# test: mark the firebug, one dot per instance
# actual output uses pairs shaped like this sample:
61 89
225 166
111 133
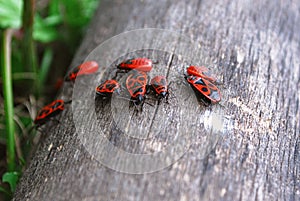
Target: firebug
159 85
204 89
49 111
107 88
136 84
88 67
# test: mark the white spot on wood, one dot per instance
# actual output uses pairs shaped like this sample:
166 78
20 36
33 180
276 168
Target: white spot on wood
161 192
223 56
183 198
180 57
50 147
240 55
223 191
213 121
186 178
59 148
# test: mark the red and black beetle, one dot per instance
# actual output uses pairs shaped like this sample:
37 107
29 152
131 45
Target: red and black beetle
159 85
136 84
49 111
204 89
107 88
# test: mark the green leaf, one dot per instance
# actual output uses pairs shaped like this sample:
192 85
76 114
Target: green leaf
78 13
44 30
52 20
54 7
12 179
11 13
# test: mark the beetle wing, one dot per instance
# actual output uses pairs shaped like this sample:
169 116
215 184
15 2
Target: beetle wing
88 67
206 88
136 83
201 71
108 87
141 64
159 84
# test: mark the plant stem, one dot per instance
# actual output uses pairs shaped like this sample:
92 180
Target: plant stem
8 97
29 52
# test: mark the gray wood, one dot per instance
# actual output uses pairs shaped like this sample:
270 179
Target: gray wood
252 46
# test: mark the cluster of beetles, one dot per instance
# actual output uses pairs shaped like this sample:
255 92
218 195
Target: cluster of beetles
137 84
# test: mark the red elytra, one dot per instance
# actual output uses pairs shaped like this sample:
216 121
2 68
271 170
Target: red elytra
49 111
140 64
201 71
107 88
136 84
88 67
159 85
210 93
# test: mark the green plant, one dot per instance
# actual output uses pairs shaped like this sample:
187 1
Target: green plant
9 19
27 38
12 179
8 98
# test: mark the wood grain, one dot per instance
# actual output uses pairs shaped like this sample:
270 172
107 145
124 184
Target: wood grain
252 46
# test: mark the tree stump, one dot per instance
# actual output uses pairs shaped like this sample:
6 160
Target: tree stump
245 148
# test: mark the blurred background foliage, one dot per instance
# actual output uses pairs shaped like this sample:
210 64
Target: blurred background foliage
38 41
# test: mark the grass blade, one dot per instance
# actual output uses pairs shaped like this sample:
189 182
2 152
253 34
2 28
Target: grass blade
8 97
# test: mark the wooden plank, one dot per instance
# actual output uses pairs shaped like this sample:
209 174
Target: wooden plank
253 48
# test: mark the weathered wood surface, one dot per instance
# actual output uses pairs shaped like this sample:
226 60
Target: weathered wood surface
253 47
